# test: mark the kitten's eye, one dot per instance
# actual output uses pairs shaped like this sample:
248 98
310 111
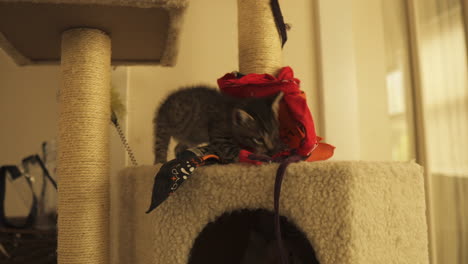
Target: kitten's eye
257 141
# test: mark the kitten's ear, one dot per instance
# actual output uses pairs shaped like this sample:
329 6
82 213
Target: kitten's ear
275 103
241 117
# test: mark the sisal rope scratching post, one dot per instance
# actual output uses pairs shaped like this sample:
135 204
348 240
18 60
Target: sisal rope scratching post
83 158
259 41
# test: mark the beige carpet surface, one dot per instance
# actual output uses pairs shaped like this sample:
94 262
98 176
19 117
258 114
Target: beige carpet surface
352 212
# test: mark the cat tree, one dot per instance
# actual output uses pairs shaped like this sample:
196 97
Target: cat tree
351 212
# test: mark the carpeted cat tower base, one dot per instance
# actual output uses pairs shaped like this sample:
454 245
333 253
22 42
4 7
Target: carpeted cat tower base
351 212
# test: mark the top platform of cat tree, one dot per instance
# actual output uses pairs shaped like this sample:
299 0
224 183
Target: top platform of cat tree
142 31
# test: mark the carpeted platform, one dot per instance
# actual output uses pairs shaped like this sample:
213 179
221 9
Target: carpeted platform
351 212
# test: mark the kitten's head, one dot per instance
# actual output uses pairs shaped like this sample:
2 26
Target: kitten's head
255 124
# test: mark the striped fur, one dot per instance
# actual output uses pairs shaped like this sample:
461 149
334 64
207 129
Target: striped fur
200 114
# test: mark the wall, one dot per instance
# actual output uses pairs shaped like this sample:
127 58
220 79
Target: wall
338 78
353 79
28 114
28 111
369 45
208 51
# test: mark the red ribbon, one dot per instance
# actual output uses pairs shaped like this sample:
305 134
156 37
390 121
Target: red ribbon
297 127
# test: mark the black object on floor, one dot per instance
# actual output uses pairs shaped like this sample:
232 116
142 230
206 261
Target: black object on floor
28 246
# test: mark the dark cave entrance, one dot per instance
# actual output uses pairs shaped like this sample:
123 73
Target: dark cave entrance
247 236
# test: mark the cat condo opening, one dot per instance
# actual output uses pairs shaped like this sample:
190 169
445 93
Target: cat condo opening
247 236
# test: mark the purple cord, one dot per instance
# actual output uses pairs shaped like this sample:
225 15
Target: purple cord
278 181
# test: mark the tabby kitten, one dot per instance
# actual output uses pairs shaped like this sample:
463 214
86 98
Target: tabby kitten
200 114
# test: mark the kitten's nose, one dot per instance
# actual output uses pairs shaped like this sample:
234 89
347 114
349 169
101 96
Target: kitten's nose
270 148
271 152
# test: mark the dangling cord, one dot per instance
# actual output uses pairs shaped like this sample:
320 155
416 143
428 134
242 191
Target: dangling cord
278 181
123 139
279 21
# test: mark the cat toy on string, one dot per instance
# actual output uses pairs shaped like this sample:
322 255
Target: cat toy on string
173 173
118 110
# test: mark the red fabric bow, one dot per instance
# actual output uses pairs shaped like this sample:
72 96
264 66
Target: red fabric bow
297 128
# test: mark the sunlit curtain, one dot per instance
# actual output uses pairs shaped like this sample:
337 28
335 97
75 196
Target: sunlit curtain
441 46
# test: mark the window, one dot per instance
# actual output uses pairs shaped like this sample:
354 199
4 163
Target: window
438 39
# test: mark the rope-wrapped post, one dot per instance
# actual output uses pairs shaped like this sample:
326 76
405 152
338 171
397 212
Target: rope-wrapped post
259 41
260 52
83 148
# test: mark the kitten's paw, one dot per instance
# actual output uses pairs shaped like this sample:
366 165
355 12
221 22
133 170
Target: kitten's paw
180 148
229 157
